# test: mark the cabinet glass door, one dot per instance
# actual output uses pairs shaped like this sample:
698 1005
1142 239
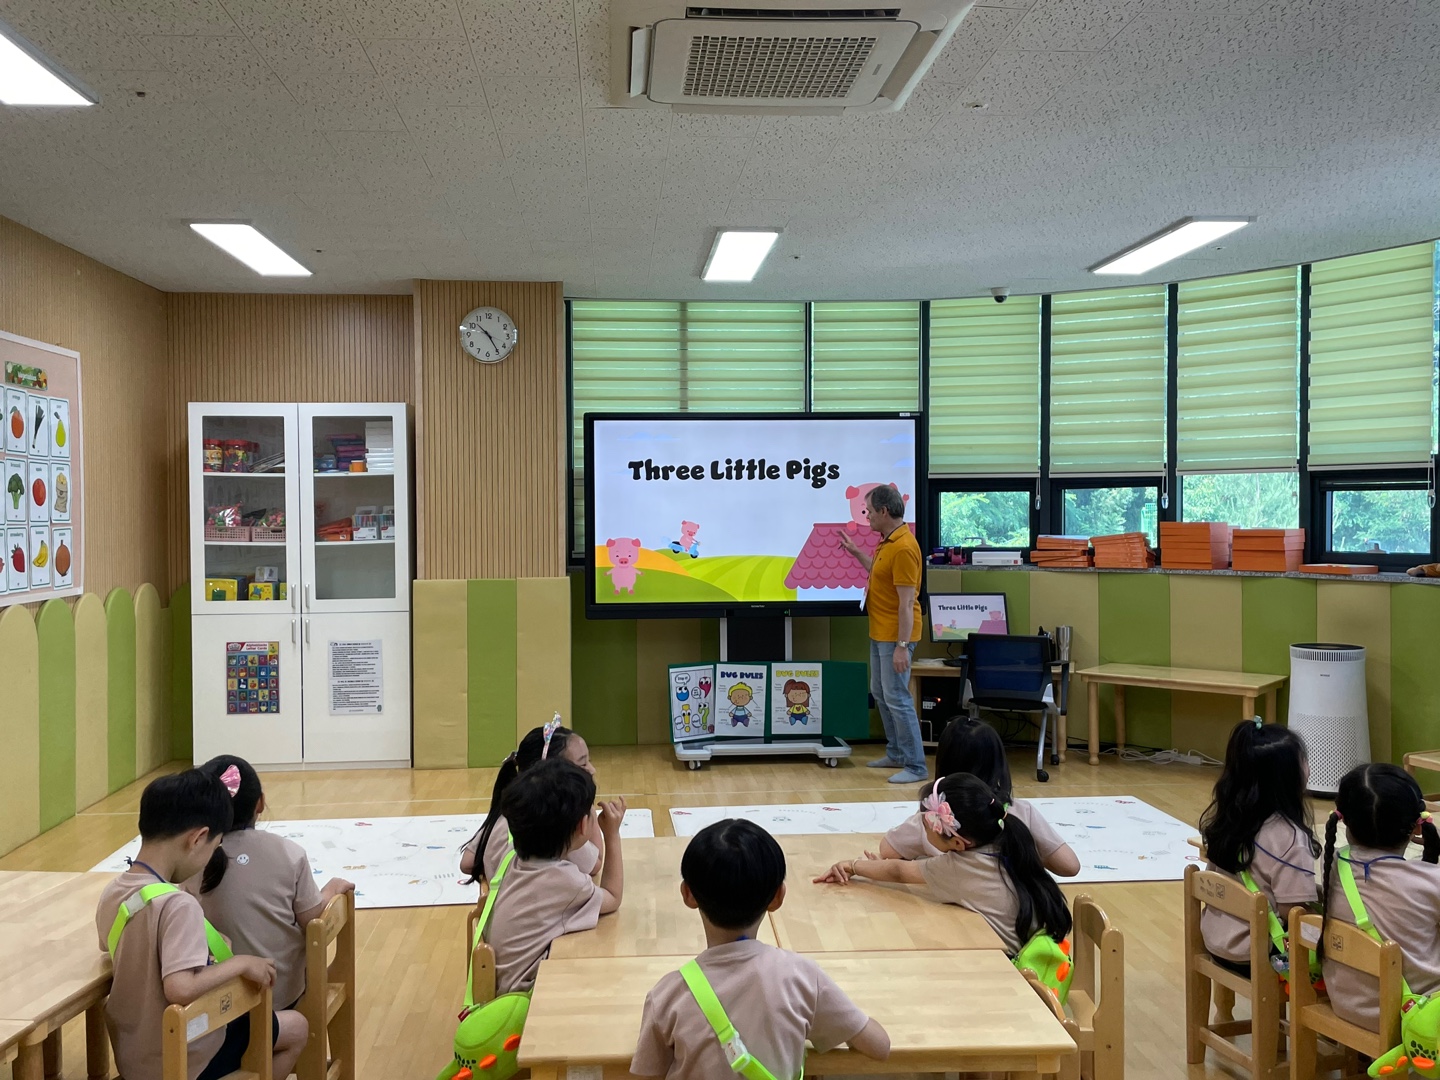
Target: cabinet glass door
356 508
244 496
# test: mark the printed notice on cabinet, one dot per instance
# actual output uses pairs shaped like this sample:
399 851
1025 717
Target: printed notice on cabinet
356 683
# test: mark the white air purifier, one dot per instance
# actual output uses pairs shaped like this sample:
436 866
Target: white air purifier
1327 709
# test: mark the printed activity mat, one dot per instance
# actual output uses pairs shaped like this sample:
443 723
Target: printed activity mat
1116 837
393 861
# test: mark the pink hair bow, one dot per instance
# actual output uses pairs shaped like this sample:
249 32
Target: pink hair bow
231 779
939 816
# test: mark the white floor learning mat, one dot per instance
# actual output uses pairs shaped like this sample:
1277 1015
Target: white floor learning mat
1117 837
393 861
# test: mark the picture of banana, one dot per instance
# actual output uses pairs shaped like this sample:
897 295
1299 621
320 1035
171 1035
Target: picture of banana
42 557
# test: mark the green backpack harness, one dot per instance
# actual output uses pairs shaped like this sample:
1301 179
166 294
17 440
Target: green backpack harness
739 1058
1280 943
135 903
1419 1047
488 1039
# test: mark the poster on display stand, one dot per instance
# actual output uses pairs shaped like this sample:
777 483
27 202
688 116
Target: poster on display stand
740 700
692 701
41 471
795 699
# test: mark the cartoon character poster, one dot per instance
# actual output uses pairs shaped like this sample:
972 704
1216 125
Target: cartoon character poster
252 677
692 701
795 699
740 700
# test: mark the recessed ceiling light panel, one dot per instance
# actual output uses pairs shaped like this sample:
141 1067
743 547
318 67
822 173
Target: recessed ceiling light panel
251 247
27 78
1171 242
737 254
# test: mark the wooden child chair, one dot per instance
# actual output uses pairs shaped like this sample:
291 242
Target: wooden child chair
1206 888
1096 1003
329 1001
1070 1064
1311 1015
212 1012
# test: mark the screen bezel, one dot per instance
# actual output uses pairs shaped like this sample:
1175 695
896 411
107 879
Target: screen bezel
790 608
930 614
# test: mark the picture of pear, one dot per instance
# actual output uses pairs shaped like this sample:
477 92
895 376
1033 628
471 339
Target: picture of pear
59 430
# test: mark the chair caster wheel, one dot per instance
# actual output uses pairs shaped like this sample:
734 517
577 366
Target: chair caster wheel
693 765
1042 776
832 763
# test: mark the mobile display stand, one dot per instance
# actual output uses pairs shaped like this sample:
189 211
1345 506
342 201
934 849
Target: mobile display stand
765 708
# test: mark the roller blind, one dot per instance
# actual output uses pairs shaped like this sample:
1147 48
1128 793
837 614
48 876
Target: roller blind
1107 381
865 356
1239 372
665 356
984 405
1372 358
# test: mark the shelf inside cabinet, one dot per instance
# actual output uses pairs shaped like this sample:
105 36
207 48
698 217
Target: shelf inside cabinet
245 475
245 543
351 543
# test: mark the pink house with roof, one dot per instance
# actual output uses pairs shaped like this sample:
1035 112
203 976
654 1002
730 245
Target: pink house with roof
826 571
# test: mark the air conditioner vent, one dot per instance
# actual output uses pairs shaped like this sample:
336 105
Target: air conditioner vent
797 68
809 14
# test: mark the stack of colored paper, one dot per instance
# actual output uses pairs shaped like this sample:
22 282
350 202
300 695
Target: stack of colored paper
1268 549
1194 545
1072 551
1123 551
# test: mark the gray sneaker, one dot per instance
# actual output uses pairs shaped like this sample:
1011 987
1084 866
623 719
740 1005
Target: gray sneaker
883 763
910 776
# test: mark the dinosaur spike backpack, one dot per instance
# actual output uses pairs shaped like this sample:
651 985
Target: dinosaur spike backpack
1419 1047
487 1041
1050 961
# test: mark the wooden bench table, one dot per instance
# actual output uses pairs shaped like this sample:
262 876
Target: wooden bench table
1242 684
868 916
54 968
976 1014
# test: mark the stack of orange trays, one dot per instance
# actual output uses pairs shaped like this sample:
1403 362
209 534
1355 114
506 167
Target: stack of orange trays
1194 545
1123 551
1278 550
1062 551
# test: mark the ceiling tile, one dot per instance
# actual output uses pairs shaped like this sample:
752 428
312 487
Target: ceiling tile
619 131
174 16
540 106
687 125
592 36
432 71
1072 25
981 32
522 38
1017 83
307 45
405 19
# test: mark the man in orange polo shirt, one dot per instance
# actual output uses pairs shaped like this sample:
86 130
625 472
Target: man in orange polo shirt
892 600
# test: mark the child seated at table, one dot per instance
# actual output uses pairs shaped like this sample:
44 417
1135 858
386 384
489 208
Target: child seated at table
988 863
733 872
164 952
972 746
541 894
258 889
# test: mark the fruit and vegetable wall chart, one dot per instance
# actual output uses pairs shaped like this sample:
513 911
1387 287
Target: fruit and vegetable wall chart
44 511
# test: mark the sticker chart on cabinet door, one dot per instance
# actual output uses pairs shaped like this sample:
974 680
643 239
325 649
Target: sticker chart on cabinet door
252 677
40 471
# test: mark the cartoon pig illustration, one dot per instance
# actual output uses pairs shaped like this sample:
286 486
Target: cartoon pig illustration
687 541
624 550
859 511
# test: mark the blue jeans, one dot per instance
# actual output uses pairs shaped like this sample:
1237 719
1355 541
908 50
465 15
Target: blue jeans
896 706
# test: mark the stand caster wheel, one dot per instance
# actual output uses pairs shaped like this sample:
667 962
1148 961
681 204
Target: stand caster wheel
1042 776
694 766
831 763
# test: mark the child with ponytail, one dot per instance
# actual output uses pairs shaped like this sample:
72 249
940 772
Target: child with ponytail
482 853
1381 807
1258 825
988 863
972 746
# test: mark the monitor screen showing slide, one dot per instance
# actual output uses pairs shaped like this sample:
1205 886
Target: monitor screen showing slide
692 514
955 616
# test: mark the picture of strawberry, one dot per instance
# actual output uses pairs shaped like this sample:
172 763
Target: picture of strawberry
17 559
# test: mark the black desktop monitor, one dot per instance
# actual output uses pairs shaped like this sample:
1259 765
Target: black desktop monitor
955 616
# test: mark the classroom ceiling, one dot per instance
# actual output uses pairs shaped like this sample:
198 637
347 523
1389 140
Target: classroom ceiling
384 140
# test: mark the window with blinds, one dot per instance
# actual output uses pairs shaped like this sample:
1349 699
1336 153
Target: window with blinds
1239 372
1372 358
865 356
1107 381
668 356
984 412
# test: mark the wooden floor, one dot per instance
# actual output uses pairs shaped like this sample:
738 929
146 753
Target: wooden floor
411 960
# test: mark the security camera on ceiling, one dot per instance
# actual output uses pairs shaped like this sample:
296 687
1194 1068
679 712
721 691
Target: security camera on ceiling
1001 293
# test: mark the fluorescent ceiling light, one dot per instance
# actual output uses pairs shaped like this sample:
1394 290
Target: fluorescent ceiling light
246 243
737 254
1171 242
27 79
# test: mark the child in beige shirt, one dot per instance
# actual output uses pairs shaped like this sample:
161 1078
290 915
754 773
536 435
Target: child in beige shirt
541 894
160 953
734 872
258 889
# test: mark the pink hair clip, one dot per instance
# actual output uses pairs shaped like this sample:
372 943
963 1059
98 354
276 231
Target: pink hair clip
939 816
231 779
547 734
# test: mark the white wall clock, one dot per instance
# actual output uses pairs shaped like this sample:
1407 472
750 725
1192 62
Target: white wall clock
488 334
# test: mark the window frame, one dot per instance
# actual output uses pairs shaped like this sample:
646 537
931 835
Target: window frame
1301 502
1055 518
938 487
1325 482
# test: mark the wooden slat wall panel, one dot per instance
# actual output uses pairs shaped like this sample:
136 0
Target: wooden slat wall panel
256 347
490 466
54 294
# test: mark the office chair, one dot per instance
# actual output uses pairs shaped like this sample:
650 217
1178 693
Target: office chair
1016 673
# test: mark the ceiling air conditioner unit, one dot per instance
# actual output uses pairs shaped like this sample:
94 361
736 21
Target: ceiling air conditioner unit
776 59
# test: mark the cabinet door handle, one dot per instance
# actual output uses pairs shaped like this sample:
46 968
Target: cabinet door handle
307 631
292 631
307 597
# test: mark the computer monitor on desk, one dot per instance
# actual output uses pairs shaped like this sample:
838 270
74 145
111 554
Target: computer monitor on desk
955 616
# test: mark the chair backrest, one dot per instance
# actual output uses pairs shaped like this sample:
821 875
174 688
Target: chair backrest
1346 944
1098 952
1224 893
1009 667
229 1001
329 1001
